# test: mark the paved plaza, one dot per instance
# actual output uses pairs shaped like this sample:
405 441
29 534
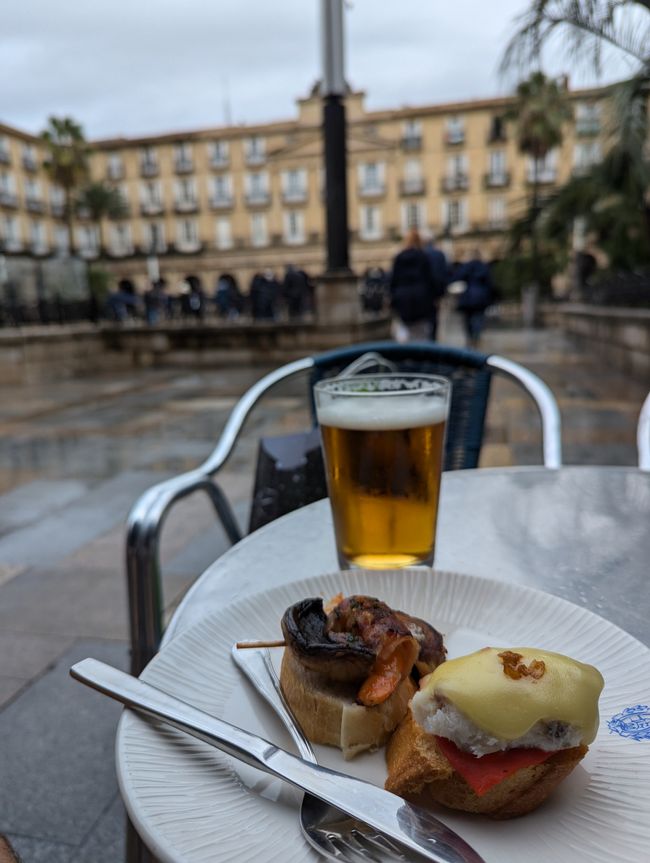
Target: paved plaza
75 455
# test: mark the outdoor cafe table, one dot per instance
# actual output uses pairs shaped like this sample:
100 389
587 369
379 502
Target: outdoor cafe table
581 533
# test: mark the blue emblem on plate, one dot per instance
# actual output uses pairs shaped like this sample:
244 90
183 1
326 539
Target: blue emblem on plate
633 722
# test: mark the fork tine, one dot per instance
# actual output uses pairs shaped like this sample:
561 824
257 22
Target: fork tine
348 849
377 842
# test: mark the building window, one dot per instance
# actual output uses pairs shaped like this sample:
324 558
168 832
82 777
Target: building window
412 135
413 182
497 163
455 132
544 169
11 234
587 118
496 212
5 153
222 191
259 231
254 150
148 162
154 238
8 195
61 240
183 157
413 216
257 186
121 239
585 155
219 154
115 167
186 200
497 130
187 232
30 162
223 233
454 214
294 185
457 177
88 241
33 198
370 223
294 227
371 178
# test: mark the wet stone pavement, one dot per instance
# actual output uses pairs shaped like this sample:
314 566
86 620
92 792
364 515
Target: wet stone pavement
75 455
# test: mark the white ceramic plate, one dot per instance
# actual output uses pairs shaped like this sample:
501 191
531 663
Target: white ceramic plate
194 805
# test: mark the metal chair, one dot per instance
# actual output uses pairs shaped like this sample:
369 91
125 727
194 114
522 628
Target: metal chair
643 435
470 372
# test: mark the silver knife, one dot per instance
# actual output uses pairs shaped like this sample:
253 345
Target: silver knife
413 827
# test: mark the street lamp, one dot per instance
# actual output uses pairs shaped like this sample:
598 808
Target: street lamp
333 92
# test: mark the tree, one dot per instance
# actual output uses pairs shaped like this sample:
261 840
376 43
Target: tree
101 201
539 112
66 162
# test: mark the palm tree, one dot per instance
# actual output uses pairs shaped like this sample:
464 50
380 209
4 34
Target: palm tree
66 162
101 201
539 112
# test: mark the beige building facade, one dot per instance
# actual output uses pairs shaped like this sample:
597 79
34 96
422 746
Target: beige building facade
246 198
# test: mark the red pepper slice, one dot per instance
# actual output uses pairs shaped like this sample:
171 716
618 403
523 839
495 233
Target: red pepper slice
485 772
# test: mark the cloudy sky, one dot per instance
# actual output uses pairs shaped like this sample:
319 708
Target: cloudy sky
138 66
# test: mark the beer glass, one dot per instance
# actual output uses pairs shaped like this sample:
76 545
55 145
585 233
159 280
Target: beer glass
383 442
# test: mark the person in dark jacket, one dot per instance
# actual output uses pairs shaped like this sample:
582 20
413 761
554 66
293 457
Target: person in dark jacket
412 291
264 292
476 297
440 270
294 291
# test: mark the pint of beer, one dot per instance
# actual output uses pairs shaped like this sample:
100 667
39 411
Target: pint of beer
383 441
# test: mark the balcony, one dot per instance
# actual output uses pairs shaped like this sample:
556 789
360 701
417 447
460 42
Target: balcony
411 143
183 166
258 199
188 247
255 158
157 248
120 250
372 190
294 196
13 244
5 156
219 161
115 172
8 199
496 224
371 236
496 179
57 209
455 183
414 186
222 202
588 126
544 178
151 208
186 205
35 205
149 169
39 248
89 252
30 163
454 137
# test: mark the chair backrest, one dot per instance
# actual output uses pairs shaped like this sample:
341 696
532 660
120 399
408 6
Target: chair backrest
643 435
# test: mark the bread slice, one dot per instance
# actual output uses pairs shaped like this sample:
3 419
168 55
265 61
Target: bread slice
328 712
418 771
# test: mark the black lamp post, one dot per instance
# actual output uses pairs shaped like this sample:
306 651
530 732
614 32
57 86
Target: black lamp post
333 92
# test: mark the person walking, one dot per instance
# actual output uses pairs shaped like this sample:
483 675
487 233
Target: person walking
440 271
294 291
477 296
412 292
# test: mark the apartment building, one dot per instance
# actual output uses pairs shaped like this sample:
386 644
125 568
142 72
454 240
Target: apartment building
244 198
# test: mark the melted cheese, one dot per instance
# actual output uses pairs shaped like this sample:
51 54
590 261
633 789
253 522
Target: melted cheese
506 708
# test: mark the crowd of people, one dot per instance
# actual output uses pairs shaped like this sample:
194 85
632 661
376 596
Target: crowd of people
419 278
268 298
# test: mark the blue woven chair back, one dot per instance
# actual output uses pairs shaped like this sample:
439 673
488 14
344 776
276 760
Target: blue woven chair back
468 371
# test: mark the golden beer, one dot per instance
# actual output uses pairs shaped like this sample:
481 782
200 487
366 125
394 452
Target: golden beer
383 457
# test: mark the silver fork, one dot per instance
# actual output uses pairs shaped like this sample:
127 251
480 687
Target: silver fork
330 831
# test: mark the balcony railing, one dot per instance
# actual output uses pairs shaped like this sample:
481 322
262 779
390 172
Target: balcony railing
455 183
411 143
496 179
219 161
57 209
35 205
5 156
39 247
183 166
13 244
294 196
151 208
186 205
222 202
30 163
255 158
89 252
543 177
258 199
413 187
372 190
149 169
188 247
8 199
120 250
454 137
371 236
157 248
496 224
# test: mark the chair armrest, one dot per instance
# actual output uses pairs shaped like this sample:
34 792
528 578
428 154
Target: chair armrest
546 404
147 516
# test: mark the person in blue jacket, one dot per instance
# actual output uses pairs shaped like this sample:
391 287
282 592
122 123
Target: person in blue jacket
477 296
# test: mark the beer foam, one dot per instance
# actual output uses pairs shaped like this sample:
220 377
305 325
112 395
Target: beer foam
381 413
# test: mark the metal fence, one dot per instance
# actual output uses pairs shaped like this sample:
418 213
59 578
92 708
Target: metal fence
54 290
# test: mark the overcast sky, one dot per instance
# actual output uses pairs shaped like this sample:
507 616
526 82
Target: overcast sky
138 66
